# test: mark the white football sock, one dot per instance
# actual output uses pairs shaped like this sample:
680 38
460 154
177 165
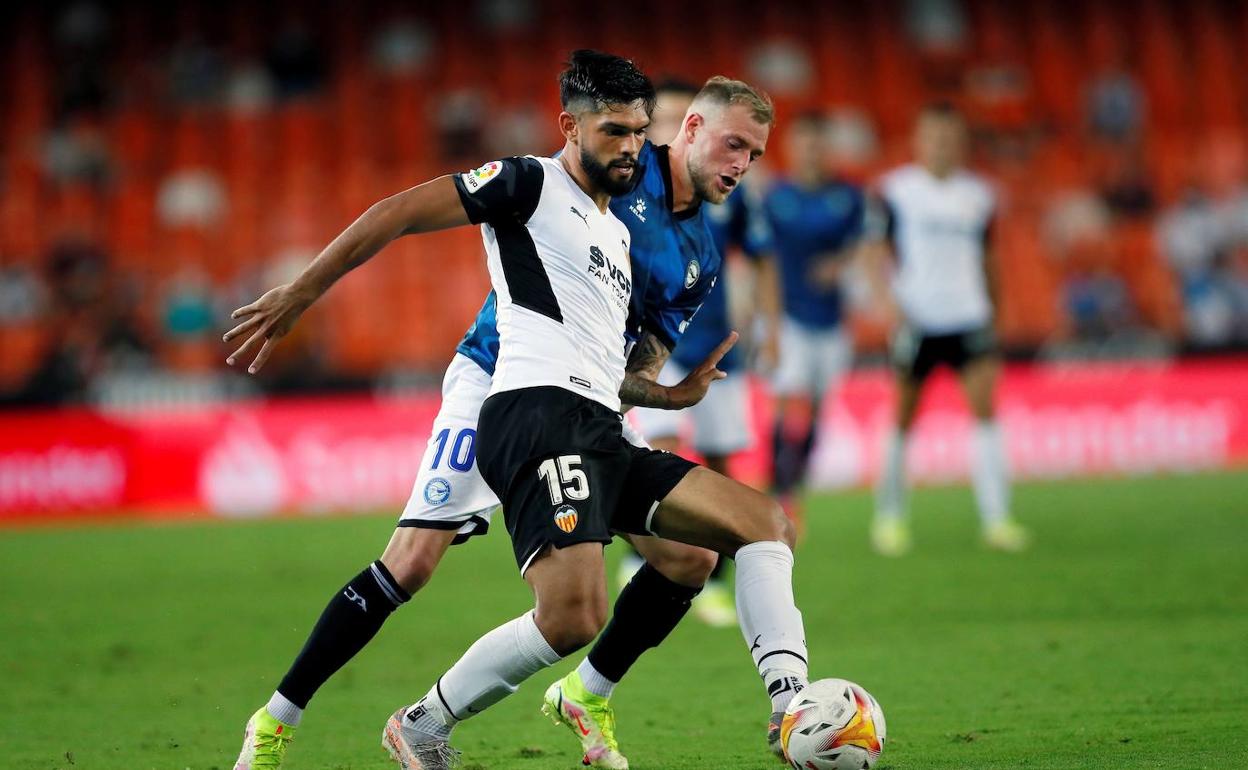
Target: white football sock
281 709
989 473
492 668
594 681
890 493
770 621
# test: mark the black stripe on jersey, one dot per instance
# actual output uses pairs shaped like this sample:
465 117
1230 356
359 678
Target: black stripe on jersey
527 281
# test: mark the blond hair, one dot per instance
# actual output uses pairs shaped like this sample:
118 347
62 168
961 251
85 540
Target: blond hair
726 91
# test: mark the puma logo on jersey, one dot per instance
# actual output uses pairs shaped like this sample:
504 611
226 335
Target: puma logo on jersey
639 208
584 217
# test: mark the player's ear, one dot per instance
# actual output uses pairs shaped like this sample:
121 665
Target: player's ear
693 123
568 126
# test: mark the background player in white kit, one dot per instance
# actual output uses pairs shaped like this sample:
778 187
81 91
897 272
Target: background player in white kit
932 267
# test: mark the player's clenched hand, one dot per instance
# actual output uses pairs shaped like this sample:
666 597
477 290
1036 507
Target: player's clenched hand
692 389
267 320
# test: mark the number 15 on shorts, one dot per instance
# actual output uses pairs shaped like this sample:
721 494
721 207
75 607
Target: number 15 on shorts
564 478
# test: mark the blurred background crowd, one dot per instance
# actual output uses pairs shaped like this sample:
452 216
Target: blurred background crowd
162 164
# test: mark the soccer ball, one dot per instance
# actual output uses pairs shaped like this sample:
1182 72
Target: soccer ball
833 724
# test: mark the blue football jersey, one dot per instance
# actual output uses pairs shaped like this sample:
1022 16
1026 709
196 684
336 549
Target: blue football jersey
807 224
739 221
675 264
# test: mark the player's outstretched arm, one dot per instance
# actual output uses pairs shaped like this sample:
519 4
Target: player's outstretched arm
434 205
649 354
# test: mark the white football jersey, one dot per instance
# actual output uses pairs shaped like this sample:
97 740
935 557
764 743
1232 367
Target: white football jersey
561 272
939 230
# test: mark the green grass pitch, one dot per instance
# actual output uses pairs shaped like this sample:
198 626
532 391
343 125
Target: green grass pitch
1119 641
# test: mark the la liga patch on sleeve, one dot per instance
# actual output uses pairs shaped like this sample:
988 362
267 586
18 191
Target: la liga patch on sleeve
479 177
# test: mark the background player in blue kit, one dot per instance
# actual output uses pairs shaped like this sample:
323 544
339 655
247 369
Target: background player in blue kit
721 422
817 222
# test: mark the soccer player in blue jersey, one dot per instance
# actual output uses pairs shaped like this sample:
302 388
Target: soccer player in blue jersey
675 264
721 422
817 222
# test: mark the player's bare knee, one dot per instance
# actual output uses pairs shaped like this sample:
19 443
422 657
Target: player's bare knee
411 562
572 625
687 566
773 524
413 570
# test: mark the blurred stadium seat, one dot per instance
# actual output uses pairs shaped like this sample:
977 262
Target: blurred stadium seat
247 151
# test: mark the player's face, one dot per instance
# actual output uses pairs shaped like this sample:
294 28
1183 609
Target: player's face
668 116
940 142
610 141
724 146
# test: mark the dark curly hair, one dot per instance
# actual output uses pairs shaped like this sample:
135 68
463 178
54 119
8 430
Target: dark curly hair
593 80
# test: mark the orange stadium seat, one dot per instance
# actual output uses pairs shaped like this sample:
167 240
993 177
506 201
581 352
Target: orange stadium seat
297 172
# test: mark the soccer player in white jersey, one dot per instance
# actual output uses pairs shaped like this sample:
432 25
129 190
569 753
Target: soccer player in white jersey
932 266
549 437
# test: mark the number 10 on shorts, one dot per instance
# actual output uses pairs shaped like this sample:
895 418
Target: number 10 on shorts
564 479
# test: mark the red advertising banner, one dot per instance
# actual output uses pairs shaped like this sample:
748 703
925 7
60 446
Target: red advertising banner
360 453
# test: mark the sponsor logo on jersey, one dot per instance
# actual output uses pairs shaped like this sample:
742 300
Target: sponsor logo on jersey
584 383
639 208
584 217
692 272
479 177
566 518
615 276
437 491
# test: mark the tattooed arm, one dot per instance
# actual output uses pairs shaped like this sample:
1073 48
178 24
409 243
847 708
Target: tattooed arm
640 386
649 354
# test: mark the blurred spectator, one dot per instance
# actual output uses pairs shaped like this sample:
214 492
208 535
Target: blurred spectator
1098 305
23 295
1115 105
461 125
1233 216
1190 235
193 197
937 27
82 30
196 73
77 151
77 275
1126 188
296 61
506 15
781 67
188 306
402 47
1077 223
1237 288
515 132
851 141
249 88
